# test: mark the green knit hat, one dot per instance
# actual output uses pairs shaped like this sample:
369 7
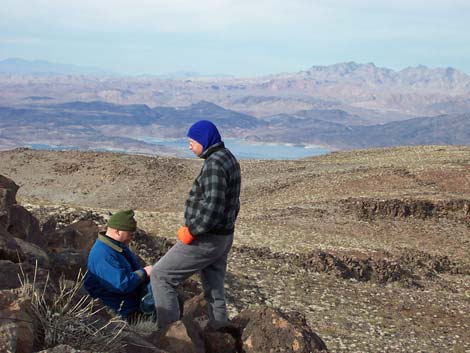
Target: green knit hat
123 220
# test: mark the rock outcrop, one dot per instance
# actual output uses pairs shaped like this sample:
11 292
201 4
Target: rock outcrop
268 330
370 209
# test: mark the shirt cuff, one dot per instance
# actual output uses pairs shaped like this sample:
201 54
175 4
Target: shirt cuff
142 274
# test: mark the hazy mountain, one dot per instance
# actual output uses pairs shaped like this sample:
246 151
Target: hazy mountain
440 130
346 105
89 124
332 115
98 113
185 75
42 67
224 118
375 94
89 121
371 75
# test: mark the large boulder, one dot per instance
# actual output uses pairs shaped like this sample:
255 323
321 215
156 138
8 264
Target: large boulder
33 253
79 236
203 333
86 232
8 190
22 224
69 248
266 329
194 315
9 275
216 342
16 219
196 308
12 272
9 249
134 343
68 263
17 326
177 340
48 228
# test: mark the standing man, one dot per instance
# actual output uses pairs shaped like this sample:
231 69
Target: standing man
206 238
114 272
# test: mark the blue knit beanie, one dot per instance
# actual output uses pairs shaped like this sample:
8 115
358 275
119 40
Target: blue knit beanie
205 133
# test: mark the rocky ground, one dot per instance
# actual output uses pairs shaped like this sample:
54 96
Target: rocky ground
373 245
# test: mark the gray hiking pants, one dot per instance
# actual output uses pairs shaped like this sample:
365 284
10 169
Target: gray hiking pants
207 254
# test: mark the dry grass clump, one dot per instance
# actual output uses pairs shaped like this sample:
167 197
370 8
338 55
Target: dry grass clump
66 317
144 324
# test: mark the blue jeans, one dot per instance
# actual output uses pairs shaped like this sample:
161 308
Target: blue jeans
147 303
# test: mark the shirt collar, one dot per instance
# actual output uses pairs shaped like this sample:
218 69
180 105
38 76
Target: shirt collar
113 244
215 147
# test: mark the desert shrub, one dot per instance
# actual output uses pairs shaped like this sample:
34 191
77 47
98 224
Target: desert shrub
144 324
66 316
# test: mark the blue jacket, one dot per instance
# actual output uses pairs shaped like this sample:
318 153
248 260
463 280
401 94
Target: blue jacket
115 276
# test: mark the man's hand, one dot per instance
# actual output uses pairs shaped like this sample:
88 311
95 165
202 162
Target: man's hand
185 236
148 270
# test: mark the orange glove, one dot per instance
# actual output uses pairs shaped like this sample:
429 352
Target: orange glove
185 236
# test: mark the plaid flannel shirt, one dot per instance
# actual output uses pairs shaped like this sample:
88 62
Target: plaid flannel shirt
214 200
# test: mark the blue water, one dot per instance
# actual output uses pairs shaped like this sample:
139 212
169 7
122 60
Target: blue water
240 148
40 146
246 150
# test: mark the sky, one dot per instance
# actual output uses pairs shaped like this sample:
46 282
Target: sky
236 37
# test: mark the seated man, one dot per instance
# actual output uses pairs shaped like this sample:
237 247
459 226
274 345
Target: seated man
114 273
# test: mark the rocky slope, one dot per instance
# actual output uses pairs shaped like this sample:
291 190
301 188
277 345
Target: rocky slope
372 246
44 307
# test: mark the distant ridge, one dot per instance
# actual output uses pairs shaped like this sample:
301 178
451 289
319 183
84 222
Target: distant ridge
186 75
369 73
347 93
334 128
42 67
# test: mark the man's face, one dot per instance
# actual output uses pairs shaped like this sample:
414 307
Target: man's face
195 147
125 236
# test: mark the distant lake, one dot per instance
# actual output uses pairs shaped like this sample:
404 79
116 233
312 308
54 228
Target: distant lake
240 148
246 150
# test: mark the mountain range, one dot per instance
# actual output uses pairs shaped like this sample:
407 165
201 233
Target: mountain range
91 124
43 67
343 106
